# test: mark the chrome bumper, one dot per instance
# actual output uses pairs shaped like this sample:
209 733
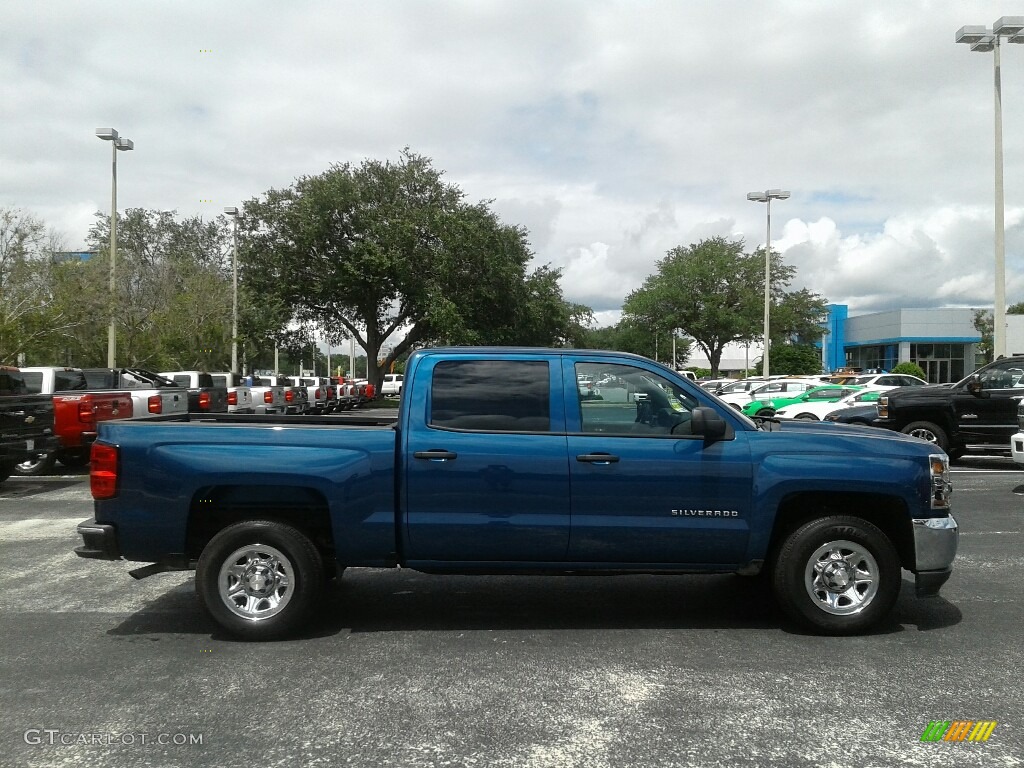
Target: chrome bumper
935 540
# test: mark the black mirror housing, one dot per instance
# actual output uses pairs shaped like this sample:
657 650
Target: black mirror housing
708 423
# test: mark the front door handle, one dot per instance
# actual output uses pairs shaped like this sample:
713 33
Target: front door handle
597 458
435 455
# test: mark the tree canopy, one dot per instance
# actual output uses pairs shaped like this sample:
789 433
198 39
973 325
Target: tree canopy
372 250
714 292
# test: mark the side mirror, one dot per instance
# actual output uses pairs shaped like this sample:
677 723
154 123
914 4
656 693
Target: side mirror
975 387
706 422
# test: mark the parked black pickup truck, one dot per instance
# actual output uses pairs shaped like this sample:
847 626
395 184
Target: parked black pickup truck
26 422
978 413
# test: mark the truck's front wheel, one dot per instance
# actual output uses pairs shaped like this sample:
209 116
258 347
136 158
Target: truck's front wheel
837 575
925 430
259 579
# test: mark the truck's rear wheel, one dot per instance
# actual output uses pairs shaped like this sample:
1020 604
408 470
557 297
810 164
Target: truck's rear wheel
73 458
837 575
259 579
40 464
925 430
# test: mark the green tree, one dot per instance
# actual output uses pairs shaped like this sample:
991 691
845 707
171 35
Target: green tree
384 249
794 359
985 325
714 293
910 369
30 320
173 290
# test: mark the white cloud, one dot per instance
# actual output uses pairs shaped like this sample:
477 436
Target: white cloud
613 131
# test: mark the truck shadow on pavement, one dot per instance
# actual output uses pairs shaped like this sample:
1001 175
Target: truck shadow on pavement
371 600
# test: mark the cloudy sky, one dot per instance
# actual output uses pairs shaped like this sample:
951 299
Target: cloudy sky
612 130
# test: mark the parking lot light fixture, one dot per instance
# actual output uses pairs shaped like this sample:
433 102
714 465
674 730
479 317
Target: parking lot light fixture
232 211
117 143
985 40
766 197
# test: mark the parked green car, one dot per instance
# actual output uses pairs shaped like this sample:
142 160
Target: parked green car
827 393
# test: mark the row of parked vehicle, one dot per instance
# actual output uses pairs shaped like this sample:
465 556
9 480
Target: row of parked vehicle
51 413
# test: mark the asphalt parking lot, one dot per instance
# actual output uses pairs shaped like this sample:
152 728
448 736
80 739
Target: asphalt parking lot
407 670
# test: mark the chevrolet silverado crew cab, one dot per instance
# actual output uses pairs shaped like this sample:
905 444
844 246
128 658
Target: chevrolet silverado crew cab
978 413
497 464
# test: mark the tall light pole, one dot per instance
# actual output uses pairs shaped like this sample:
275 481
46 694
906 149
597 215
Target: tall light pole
124 145
766 197
233 213
983 40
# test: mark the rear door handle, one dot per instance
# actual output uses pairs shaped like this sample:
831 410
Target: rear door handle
435 455
598 458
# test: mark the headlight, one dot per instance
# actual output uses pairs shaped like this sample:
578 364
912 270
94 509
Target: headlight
941 488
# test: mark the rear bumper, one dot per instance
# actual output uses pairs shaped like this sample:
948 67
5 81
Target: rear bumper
99 541
17 451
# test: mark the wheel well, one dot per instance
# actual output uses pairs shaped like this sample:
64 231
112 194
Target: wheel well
215 508
888 513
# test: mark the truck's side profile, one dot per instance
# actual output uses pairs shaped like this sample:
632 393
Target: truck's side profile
497 464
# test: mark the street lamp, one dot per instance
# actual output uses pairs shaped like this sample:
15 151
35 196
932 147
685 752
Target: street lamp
233 213
124 145
766 197
983 40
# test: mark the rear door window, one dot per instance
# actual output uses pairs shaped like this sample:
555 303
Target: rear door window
491 395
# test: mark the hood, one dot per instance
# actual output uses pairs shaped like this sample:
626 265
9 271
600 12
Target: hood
927 392
830 436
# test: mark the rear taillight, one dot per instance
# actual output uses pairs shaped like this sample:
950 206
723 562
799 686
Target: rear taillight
268 396
289 395
232 398
317 395
103 471
86 411
156 405
204 400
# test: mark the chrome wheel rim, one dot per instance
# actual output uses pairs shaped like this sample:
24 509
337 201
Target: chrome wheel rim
841 577
256 581
924 434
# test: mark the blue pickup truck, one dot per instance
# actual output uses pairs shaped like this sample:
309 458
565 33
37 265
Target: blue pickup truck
497 464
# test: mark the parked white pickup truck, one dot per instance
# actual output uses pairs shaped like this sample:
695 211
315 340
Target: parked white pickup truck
239 393
151 393
392 385
266 397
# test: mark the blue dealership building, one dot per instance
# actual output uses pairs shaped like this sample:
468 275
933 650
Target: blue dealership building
944 342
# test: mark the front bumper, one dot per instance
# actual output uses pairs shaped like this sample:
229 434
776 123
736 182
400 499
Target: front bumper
99 541
935 543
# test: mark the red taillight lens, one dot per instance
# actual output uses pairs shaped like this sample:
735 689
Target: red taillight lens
156 405
232 398
86 412
204 400
317 395
103 471
268 396
289 395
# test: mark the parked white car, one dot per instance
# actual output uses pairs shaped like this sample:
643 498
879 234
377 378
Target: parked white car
765 390
887 381
392 385
818 411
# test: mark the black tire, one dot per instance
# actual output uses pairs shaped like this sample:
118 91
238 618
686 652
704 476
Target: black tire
73 459
807 417
808 580
926 430
286 575
40 465
5 471
765 413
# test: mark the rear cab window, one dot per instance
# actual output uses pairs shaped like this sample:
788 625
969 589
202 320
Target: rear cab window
491 395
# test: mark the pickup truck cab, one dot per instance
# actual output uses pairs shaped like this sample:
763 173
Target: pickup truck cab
151 393
496 464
